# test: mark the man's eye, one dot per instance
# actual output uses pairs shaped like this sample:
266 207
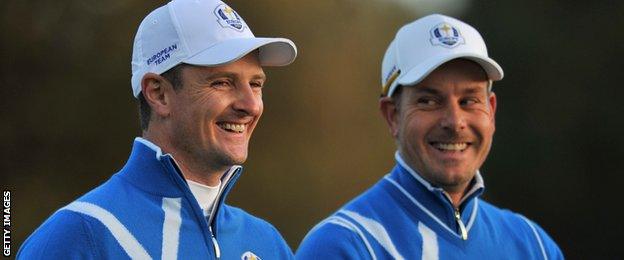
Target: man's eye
426 101
470 101
220 83
256 84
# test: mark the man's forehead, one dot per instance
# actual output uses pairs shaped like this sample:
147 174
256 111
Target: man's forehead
462 65
248 66
464 88
212 74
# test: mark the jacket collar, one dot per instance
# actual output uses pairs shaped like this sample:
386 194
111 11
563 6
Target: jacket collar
433 200
156 173
476 188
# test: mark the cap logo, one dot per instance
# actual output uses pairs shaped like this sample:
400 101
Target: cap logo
446 35
249 256
228 18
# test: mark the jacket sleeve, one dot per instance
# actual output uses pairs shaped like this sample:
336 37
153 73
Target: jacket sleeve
331 241
282 249
65 235
551 249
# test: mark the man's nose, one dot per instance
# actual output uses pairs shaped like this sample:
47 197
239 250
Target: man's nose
453 118
248 100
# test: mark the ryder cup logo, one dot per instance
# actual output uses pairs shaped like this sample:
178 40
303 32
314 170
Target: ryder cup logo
249 256
228 18
446 35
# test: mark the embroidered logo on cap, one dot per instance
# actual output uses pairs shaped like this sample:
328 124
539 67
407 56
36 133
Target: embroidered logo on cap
249 256
228 18
446 35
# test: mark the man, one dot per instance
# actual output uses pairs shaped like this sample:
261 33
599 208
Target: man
196 70
439 107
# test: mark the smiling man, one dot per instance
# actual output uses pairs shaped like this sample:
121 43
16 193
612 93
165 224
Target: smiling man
439 106
197 74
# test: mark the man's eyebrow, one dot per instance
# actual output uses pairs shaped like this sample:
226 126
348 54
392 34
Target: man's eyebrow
231 75
260 76
474 89
220 75
427 90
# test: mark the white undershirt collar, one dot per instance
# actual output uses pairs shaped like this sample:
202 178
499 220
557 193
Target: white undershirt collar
205 195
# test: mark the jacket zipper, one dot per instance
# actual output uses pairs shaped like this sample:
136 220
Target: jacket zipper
228 177
462 228
225 181
215 244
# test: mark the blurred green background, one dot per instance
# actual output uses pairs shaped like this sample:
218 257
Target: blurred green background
68 117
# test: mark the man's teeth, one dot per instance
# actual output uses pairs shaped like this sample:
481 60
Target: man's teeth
239 128
451 146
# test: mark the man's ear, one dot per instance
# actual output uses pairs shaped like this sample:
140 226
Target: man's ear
156 91
492 101
389 111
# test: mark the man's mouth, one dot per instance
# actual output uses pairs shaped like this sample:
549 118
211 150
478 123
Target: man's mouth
233 127
450 147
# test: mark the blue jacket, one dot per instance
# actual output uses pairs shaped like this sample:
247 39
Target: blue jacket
404 217
147 211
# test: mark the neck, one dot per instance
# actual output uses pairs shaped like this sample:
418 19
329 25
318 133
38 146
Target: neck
455 192
209 177
455 196
192 169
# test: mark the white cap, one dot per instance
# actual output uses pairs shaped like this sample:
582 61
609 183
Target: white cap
199 32
423 45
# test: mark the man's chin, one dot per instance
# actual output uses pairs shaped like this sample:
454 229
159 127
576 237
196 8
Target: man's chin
455 179
234 159
238 161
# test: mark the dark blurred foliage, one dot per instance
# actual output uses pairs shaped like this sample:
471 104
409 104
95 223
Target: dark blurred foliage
68 116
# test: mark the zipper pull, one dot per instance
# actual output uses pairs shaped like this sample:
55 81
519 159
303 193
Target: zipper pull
215 244
462 228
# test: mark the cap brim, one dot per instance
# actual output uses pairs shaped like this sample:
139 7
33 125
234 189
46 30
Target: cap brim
273 52
417 74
